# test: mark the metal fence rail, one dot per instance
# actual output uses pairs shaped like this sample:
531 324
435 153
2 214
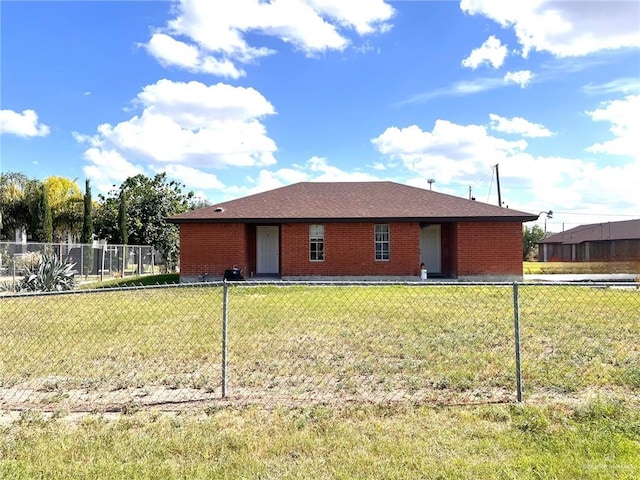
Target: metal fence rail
92 262
277 343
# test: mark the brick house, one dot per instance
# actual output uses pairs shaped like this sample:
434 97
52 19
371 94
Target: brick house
352 230
596 242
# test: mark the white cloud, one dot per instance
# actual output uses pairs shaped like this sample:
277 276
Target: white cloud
450 152
322 171
207 125
192 177
316 169
23 124
624 117
458 156
585 192
364 16
564 28
194 104
569 187
219 30
518 126
268 180
187 129
107 168
478 85
458 89
521 77
627 85
171 52
491 52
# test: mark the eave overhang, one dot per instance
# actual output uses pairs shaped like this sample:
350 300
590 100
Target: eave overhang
277 220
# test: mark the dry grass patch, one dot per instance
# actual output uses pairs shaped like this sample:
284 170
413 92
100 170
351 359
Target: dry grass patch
594 440
298 345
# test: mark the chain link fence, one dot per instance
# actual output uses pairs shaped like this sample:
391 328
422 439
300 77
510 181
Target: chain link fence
290 344
92 262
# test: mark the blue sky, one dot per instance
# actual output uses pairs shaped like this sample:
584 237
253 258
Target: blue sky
233 98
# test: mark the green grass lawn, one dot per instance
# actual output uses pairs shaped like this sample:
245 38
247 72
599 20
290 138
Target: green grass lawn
324 382
136 281
427 344
595 440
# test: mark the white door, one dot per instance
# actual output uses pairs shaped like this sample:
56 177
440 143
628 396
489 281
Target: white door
430 248
268 250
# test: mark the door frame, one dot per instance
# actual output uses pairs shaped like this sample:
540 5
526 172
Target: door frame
431 248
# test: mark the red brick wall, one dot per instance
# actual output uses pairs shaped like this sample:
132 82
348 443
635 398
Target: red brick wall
469 248
488 248
213 248
349 250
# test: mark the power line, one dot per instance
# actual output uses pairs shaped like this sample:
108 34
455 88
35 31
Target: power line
490 185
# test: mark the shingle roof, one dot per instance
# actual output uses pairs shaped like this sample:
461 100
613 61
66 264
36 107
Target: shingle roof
625 230
348 201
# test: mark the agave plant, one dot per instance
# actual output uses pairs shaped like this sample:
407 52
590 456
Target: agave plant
49 275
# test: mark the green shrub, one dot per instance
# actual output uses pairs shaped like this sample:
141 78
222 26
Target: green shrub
49 275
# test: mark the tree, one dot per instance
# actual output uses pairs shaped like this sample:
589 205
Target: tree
106 217
196 202
530 238
87 219
87 230
18 196
65 199
123 235
42 222
149 201
15 210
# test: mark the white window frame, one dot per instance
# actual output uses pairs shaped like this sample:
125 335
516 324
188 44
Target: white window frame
382 238
316 238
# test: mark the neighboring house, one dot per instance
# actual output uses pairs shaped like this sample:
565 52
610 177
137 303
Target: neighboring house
598 242
352 230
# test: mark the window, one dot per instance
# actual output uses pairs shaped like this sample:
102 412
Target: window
316 243
382 242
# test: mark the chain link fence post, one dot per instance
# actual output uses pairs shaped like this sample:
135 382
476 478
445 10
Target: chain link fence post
299 344
516 332
225 314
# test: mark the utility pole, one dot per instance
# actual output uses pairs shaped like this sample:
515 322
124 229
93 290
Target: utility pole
498 183
430 181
